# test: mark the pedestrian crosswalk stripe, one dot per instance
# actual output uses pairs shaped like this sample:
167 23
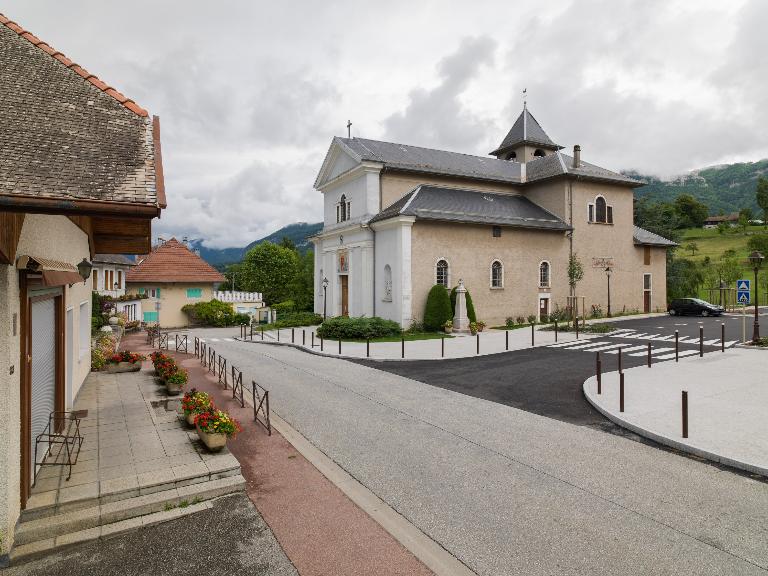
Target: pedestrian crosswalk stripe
606 347
681 354
214 339
569 343
228 340
628 349
576 345
654 351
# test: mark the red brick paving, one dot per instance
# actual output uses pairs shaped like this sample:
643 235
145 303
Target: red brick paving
321 530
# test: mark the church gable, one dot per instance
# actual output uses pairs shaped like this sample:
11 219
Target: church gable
338 160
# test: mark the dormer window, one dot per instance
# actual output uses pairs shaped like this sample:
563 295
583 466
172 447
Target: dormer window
600 211
539 153
342 209
512 157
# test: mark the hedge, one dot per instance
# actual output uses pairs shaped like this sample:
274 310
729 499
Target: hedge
438 308
214 313
294 319
343 328
470 307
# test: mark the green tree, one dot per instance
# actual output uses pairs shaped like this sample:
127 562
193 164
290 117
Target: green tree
661 218
691 212
575 272
728 270
758 242
438 308
286 242
271 270
684 279
302 288
692 247
761 195
747 214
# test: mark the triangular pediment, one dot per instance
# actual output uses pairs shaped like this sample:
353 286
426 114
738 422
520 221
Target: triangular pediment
339 159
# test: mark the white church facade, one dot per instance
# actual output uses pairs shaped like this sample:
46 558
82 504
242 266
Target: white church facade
399 219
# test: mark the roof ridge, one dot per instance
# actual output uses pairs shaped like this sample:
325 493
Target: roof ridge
489 158
76 68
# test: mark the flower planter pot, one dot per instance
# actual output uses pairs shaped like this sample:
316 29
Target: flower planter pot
448 330
173 389
115 368
191 418
213 441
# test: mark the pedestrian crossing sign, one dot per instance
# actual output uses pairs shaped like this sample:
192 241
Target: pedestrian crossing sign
743 296
742 285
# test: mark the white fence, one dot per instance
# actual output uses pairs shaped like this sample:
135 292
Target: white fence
227 296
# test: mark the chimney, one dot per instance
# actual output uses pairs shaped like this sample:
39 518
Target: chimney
576 156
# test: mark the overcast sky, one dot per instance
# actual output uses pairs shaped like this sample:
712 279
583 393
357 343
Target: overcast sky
251 93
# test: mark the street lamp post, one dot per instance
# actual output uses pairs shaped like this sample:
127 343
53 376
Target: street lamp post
608 274
756 258
325 293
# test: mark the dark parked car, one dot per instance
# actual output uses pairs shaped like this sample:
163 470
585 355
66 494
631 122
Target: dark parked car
683 306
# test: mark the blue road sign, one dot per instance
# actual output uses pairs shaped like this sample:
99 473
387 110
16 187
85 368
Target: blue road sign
742 285
742 296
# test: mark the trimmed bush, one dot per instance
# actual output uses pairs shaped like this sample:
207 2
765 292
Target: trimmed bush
343 328
284 307
295 319
214 313
438 309
470 307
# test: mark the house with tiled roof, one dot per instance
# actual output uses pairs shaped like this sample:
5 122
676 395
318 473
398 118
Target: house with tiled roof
399 219
170 277
80 174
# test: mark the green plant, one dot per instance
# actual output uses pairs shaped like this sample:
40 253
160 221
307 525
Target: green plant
470 306
575 270
214 421
531 318
284 307
357 328
473 327
214 313
195 402
178 377
448 324
438 308
184 504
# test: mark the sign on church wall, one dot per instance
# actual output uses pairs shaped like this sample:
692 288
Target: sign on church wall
604 262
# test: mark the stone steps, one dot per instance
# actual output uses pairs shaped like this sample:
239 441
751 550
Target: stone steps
42 534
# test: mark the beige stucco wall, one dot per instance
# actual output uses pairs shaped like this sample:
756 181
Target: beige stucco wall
172 297
57 238
395 185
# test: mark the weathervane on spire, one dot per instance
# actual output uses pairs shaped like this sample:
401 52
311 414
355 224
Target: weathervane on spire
349 128
525 98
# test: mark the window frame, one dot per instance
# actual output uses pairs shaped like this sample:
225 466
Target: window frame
497 283
447 283
198 293
496 231
548 283
593 215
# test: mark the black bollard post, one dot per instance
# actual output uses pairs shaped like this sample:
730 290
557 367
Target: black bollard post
506 345
701 341
620 370
262 333
293 336
442 347
555 330
278 334
577 327
402 346
677 346
339 346
532 334
649 354
685 414
367 347
303 337
477 337
599 372
722 337
251 332
321 343
621 392
313 340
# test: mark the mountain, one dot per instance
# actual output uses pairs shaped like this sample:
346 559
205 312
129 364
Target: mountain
725 188
297 233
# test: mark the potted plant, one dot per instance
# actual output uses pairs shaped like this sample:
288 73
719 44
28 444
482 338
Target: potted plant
193 403
175 381
214 427
448 326
125 362
473 328
480 325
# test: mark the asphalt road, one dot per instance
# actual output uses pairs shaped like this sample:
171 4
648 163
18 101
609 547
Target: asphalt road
508 491
547 380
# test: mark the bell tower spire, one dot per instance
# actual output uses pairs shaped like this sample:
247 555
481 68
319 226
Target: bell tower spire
526 140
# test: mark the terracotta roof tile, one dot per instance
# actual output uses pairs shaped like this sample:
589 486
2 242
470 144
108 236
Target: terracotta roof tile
172 261
31 38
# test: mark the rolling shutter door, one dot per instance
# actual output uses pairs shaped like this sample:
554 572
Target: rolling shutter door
43 371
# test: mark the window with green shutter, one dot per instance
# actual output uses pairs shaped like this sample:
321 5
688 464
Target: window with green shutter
150 316
142 290
158 293
194 292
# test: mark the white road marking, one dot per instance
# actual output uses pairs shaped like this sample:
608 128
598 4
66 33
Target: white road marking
214 339
654 351
606 347
229 340
681 354
628 349
569 343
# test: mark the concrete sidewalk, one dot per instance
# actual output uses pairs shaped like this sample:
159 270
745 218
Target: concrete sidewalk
459 346
727 399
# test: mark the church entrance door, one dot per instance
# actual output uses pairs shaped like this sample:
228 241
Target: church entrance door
543 307
344 295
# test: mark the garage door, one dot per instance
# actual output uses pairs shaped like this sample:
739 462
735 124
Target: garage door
43 371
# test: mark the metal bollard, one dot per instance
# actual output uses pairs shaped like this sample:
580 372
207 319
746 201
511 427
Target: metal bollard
677 346
620 369
339 346
402 346
621 392
599 373
577 327
251 332
477 337
313 340
303 337
722 337
506 345
321 343
555 330
367 347
701 341
278 334
649 354
685 414
442 347
532 334
262 333
293 336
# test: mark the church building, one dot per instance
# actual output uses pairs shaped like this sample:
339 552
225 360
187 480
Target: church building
399 219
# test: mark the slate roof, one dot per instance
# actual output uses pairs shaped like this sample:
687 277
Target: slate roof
66 135
120 259
172 261
526 130
558 164
644 237
471 207
416 158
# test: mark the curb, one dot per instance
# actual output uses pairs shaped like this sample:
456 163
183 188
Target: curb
666 441
427 550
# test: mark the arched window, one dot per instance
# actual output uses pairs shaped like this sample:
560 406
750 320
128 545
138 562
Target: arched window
342 209
441 273
544 275
387 283
600 209
497 274
539 152
512 156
